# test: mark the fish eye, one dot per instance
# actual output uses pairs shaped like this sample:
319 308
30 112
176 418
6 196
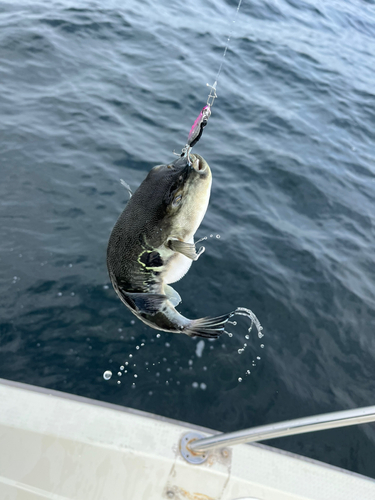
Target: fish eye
177 200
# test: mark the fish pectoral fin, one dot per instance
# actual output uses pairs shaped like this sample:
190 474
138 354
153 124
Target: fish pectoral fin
173 296
187 249
148 303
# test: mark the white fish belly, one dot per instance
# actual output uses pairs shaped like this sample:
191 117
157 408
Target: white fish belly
177 267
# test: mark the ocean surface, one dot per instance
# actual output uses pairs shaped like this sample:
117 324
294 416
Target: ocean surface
92 92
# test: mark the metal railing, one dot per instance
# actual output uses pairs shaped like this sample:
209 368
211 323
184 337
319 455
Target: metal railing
198 447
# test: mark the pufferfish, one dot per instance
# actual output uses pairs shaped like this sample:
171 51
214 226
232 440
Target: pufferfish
152 245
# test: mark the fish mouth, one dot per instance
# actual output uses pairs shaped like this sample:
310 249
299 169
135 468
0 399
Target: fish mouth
199 164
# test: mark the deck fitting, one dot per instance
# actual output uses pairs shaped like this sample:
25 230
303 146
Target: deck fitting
188 454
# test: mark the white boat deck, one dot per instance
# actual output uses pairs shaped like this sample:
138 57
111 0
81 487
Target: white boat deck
61 447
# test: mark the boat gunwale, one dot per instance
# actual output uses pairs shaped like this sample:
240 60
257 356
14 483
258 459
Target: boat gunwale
161 418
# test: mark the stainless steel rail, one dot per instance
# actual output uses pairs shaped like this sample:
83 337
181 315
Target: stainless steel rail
287 428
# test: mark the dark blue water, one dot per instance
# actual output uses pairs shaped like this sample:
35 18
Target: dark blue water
92 92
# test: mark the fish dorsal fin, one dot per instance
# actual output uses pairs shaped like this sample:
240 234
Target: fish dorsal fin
187 249
127 187
173 296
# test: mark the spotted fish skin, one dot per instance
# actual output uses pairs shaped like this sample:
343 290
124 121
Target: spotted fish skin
152 245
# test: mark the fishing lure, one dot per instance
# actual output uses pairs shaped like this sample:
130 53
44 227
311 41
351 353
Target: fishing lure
196 130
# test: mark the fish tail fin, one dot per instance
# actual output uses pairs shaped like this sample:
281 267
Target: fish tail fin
212 328
209 328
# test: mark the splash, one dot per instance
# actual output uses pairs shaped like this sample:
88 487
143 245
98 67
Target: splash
132 370
242 311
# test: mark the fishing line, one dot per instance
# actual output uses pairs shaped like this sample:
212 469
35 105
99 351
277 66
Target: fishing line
197 129
211 98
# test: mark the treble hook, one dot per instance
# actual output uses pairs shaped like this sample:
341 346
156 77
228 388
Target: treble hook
186 152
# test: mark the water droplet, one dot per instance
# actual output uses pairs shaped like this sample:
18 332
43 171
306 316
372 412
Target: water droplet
158 335
247 337
119 382
202 239
132 322
126 363
239 379
218 236
72 294
261 346
211 235
142 344
248 372
199 348
150 393
119 330
205 368
258 358
200 251
130 355
137 347
59 294
203 386
105 287
260 335
135 375
107 375
195 385
70 265
190 362
119 374
240 351
133 385
167 344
